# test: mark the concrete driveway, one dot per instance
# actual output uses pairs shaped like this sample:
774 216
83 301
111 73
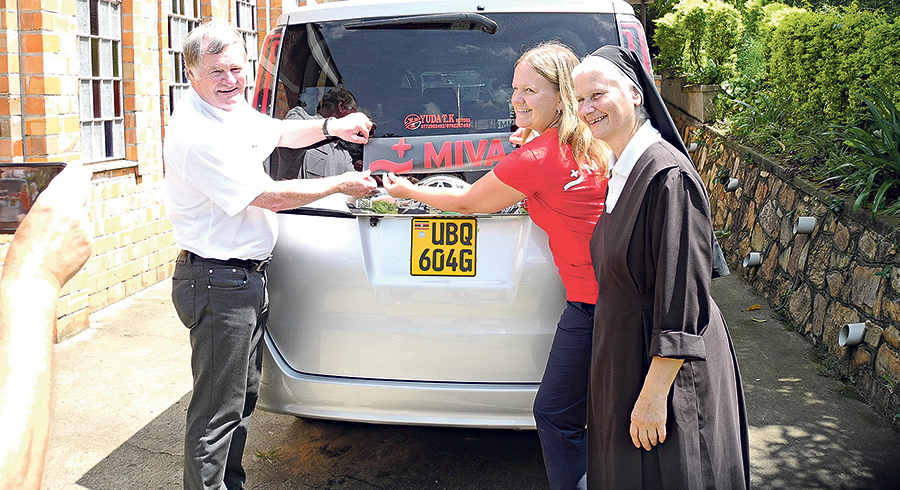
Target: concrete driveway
122 389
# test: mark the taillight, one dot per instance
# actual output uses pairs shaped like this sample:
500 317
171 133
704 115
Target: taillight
268 67
633 38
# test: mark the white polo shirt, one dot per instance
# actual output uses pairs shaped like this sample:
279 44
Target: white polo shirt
213 172
645 136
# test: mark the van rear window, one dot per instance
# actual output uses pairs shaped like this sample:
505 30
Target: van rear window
430 81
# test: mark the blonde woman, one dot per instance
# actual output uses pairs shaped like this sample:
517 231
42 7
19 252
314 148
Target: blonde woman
562 173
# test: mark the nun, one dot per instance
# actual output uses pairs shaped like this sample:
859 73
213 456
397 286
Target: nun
666 406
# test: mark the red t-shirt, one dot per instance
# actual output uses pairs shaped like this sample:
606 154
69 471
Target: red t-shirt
563 203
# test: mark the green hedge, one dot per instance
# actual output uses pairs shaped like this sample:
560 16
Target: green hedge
890 7
821 60
698 39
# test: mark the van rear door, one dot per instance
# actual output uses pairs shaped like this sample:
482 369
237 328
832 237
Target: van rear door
352 293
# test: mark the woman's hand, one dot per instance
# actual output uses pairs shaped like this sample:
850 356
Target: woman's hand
648 418
518 138
397 186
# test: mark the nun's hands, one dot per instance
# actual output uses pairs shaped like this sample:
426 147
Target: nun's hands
648 418
648 421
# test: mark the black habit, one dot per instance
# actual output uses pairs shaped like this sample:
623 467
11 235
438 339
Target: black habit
652 255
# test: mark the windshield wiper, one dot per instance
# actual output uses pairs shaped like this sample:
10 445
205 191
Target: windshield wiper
324 212
448 22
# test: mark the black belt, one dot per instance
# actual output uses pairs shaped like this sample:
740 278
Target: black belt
253 265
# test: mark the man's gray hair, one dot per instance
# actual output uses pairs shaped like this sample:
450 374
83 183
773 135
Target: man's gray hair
218 35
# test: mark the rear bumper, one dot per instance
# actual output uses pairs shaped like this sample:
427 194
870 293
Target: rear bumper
485 405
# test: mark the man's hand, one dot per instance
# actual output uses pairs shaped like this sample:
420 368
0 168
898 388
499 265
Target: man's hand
352 127
358 184
300 133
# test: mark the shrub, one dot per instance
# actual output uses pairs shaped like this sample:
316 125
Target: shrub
799 72
874 166
750 54
699 38
821 58
748 86
889 7
763 122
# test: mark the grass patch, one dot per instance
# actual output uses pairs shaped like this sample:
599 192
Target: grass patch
271 456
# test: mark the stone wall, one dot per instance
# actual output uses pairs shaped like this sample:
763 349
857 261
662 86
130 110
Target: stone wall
847 270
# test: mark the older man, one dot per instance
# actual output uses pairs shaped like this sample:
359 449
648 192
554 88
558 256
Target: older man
221 204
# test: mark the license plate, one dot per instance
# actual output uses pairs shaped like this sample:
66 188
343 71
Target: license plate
443 247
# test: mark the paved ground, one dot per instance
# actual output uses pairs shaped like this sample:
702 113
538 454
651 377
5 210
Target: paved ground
122 388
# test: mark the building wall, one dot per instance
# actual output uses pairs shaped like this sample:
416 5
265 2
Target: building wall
39 121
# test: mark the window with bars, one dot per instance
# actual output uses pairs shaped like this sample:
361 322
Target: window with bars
100 80
184 15
246 24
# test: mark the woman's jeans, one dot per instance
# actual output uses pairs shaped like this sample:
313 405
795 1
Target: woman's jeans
560 408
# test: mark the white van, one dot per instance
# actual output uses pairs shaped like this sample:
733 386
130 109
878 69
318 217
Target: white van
390 312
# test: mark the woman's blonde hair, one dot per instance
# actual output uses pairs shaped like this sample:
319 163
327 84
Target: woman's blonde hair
555 62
